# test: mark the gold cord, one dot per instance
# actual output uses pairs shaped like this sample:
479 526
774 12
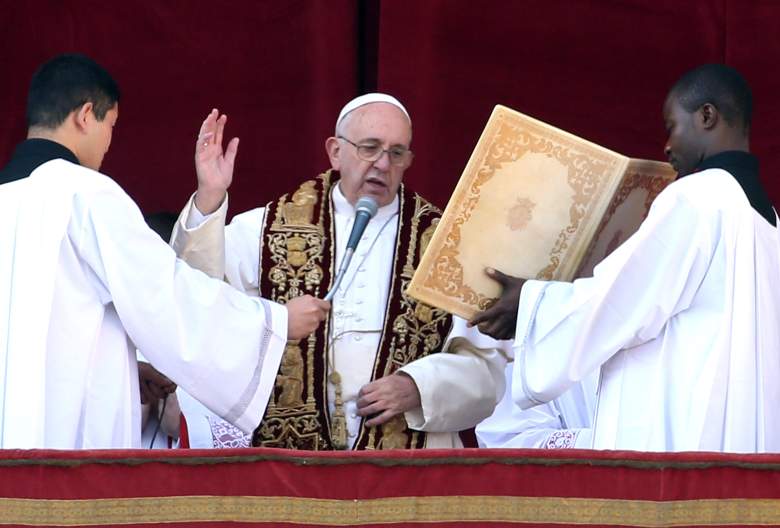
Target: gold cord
338 422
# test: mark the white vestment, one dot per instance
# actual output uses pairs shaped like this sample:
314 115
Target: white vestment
83 280
457 389
565 422
683 320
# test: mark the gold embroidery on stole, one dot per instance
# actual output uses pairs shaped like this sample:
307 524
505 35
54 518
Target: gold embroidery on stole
294 245
294 242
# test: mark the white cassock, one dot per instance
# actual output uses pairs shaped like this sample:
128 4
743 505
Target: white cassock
563 423
683 320
457 389
83 281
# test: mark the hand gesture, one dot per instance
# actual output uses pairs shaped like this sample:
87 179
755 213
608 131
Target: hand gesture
213 166
153 384
304 315
387 397
499 321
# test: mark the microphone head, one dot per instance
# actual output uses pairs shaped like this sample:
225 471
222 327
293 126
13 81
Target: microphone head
366 204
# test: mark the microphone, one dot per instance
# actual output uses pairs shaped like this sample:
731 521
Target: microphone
365 209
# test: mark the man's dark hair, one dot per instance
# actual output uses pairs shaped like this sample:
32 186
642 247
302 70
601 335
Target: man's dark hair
64 84
721 86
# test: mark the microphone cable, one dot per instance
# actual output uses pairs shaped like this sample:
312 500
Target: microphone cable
159 422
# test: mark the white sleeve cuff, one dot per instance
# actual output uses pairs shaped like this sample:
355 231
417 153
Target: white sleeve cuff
196 219
250 418
415 418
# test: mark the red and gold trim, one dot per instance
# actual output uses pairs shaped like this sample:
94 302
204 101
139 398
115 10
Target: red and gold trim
466 488
390 511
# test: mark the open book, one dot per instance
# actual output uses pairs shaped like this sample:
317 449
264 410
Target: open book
535 202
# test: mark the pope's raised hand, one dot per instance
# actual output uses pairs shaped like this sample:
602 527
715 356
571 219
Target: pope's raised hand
213 165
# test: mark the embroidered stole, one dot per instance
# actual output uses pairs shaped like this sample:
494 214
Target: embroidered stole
297 257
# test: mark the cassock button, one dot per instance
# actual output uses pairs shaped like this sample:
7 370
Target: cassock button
354 416
361 285
359 320
358 338
351 435
361 270
359 301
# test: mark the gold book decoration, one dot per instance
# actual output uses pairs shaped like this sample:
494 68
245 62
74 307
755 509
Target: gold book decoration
535 202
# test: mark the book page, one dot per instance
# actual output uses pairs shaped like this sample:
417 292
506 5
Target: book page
514 220
528 203
643 181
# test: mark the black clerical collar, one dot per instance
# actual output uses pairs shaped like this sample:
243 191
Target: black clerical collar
31 154
744 167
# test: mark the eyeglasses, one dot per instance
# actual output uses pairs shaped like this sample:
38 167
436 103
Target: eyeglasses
399 156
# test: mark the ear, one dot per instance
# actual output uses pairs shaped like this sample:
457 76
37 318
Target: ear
333 148
82 116
708 116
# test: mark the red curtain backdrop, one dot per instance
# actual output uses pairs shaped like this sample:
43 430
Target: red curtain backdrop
282 70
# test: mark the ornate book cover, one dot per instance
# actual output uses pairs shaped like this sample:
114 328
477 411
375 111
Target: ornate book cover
536 202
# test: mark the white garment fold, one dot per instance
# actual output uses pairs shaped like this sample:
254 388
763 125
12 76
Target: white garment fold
565 422
84 281
682 320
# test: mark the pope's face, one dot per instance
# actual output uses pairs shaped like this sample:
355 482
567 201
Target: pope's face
377 124
98 139
684 148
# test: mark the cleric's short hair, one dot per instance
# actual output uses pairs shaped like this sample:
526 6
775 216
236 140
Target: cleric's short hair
720 85
64 84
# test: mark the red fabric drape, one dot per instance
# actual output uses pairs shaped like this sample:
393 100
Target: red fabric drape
397 488
282 70
600 69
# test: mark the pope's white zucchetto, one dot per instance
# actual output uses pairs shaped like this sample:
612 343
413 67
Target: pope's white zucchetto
363 100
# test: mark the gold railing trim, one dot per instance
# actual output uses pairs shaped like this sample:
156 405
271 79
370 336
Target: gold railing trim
353 512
